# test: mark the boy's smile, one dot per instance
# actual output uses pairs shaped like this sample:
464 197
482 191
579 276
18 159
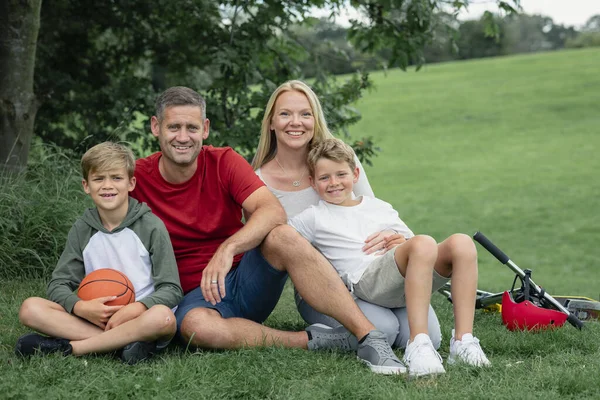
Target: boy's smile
334 182
109 190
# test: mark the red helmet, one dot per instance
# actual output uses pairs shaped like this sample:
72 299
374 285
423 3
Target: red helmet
527 316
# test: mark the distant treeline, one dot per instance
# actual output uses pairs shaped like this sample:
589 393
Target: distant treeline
451 40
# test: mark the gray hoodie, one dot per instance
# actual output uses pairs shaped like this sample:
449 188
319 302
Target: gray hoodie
140 248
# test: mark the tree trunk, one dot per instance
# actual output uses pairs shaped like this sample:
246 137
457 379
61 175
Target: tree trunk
19 26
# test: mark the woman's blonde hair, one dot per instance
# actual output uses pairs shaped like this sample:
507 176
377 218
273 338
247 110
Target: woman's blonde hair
267 145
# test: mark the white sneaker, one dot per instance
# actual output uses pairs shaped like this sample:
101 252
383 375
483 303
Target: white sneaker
467 350
421 358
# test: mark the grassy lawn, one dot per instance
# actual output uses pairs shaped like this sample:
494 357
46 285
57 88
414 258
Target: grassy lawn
507 146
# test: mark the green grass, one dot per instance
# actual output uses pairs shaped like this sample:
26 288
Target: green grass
507 146
37 208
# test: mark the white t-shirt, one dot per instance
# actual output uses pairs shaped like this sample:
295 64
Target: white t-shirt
295 202
339 232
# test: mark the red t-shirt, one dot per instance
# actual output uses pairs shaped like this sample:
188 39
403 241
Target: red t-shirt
201 213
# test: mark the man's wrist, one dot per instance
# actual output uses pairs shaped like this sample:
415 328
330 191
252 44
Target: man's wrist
227 249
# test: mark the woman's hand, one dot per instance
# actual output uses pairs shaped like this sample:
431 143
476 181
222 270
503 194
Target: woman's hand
381 242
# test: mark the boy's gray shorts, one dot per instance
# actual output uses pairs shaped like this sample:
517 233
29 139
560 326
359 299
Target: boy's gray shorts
382 283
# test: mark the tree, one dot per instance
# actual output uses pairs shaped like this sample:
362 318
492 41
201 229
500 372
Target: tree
99 68
592 24
473 42
19 25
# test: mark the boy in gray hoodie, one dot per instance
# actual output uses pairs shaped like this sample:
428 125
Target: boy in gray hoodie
122 234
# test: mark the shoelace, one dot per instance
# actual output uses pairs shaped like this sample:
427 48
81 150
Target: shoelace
383 348
419 347
471 350
342 341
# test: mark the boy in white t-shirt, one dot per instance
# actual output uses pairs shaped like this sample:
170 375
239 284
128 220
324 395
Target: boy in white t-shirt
406 275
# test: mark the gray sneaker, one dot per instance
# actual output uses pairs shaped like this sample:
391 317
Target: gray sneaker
135 352
375 351
323 337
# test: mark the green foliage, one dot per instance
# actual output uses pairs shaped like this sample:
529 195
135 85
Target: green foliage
37 208
97 78
100 68
477 38
585 39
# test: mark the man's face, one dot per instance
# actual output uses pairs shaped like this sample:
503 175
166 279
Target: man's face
334 181
180 134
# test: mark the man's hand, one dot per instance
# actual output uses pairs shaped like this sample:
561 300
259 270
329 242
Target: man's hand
127 313
95 310
381 242
213 276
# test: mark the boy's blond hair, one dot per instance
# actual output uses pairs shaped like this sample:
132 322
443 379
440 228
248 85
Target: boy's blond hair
331 149
106 156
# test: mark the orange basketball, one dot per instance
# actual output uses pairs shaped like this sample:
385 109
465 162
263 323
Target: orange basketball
107 282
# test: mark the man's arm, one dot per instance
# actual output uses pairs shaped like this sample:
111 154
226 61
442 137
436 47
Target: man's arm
263 212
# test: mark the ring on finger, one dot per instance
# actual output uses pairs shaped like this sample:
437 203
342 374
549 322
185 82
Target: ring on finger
214 282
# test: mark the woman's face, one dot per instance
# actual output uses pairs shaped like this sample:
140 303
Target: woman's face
293 120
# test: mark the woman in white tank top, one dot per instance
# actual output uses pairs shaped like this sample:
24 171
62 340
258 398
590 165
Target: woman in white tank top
292 123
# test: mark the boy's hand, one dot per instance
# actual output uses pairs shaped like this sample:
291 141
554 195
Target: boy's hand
381 242
127 313
95 310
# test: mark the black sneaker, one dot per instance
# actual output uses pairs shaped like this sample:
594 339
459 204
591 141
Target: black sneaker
135 352
29 344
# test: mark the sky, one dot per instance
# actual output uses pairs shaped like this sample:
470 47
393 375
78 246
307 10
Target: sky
565 12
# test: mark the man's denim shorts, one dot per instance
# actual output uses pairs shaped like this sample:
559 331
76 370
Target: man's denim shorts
252 291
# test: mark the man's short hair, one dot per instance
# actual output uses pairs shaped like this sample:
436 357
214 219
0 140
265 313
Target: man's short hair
331 149
178 96
106 156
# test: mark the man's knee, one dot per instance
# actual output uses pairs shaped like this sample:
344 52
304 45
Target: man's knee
199 327
279 243
281 236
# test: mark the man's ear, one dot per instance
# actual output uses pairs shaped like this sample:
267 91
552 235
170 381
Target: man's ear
206 129
155 126
356 174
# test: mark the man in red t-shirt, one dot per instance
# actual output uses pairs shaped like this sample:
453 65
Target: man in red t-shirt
233 273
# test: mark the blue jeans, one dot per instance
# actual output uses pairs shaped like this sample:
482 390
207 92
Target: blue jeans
253 290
